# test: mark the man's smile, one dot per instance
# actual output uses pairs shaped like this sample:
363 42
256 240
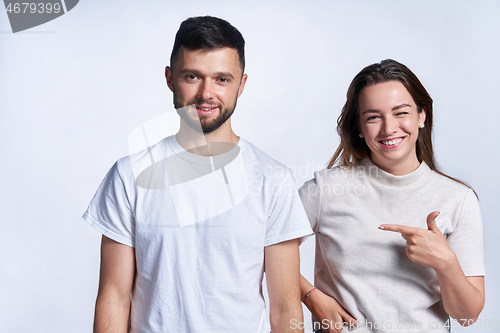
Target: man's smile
205 110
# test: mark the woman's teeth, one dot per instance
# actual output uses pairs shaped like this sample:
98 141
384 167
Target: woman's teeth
392 142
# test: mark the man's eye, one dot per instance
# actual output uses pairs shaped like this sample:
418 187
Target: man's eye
191 77
223 80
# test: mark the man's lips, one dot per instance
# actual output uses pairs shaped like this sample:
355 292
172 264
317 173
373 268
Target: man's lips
204 110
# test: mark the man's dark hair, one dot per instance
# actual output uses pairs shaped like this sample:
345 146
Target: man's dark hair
208 32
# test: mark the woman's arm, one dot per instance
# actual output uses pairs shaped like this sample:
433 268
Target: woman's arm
324 308
463 297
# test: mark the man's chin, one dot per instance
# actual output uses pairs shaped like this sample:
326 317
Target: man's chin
204 125
211 126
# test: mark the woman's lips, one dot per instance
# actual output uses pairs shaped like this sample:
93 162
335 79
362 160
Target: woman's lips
391 143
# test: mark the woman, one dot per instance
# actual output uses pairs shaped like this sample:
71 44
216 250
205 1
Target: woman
387 185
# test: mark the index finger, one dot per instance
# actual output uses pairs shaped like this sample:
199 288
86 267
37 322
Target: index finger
403 229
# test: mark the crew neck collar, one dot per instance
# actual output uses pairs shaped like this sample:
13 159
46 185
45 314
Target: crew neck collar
188 156
381 176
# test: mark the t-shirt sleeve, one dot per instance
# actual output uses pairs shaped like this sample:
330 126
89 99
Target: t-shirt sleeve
467 238
309 193
288 219
110 211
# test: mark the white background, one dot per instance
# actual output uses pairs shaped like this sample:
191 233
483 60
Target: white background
73 89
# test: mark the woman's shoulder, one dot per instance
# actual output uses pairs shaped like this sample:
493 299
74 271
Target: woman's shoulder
341 173
448 186
332 178
324 176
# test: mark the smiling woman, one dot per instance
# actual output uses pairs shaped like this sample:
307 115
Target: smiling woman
364 275
389 121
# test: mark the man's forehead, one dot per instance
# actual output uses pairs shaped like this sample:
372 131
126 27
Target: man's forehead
217 57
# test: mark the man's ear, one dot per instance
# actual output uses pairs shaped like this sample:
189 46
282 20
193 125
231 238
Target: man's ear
169 78
242 84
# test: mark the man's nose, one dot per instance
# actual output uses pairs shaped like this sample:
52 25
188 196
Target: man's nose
206 90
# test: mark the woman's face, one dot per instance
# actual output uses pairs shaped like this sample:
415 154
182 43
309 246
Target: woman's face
389 121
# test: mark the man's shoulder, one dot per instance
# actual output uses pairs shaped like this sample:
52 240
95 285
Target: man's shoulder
129 167
263 165
260 156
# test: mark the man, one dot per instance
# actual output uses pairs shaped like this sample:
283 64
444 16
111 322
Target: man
190 224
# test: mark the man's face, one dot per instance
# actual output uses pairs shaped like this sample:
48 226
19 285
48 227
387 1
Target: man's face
211 80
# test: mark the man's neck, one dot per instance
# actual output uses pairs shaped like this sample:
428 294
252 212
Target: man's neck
201 143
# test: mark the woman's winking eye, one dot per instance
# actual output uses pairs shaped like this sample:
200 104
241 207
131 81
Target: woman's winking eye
372 118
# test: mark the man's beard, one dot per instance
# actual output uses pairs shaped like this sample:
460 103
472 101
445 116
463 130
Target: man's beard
190 116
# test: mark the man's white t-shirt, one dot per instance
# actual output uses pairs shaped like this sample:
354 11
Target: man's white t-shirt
199 226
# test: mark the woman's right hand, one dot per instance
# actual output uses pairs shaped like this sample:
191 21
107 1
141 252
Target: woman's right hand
328 312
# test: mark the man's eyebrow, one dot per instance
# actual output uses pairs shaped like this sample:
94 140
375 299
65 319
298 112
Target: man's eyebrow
190 71
400 106
216 74
226 74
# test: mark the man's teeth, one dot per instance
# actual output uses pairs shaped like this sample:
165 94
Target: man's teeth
206 109
393 142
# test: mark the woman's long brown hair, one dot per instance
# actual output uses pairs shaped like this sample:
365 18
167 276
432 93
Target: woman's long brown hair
352 149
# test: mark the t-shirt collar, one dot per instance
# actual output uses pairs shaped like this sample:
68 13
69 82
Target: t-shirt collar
381 176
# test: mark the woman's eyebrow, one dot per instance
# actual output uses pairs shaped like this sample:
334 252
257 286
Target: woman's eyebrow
400 106
397 107
371 111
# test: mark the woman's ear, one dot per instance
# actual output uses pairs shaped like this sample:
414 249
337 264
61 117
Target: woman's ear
422 116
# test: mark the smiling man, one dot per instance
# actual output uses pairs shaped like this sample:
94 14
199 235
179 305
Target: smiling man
212 81
191 224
